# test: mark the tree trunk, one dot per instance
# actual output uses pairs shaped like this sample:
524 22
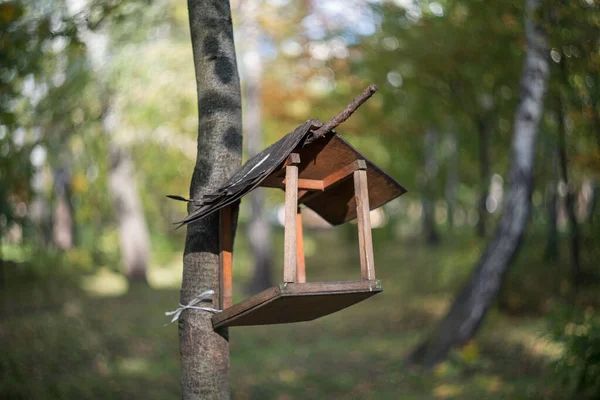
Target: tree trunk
452 177
63 222
470 306
594 94
551 252
133 230
259 230
484 129
571 197
432 237
205 352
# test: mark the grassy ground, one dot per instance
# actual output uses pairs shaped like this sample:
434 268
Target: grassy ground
86 346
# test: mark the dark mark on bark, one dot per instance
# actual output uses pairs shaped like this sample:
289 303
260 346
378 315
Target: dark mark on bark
232 138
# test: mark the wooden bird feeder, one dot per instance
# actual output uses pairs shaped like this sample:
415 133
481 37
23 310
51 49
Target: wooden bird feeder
322 172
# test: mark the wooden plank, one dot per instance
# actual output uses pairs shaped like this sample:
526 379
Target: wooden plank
301 266
333 178
291 206
306 184
343 172
225 257
247 305
294 302
365 241
328 287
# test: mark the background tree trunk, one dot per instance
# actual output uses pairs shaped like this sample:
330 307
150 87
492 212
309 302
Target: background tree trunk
133 230
430 170
451 176
484 129
551 252
571 196
134 236
259 229
63 222
469 308
204 352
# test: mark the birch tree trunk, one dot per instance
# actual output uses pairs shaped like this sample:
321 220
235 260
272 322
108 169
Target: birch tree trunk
470 306
205 352
259 230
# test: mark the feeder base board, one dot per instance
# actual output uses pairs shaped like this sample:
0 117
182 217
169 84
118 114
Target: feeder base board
295 302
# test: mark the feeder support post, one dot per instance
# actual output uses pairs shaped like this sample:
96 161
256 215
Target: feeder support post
365 241
301 265
225 256
291 207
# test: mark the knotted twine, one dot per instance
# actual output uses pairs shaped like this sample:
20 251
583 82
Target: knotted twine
206 295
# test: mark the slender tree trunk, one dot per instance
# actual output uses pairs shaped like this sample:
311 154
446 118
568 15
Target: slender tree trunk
594 94
205 352
484 129
134 236
551 252
593 203
63 222
571 197
133 230
452 177
432 237
470 306
259 229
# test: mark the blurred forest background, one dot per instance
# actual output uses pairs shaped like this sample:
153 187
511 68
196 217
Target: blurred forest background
98 121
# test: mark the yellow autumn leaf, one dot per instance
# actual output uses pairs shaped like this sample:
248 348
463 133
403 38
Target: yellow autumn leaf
470 352
79 184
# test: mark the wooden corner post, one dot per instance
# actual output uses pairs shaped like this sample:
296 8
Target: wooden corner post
225 256
291 208
365 241
301 266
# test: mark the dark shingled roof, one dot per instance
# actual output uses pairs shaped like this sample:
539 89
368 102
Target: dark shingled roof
318 159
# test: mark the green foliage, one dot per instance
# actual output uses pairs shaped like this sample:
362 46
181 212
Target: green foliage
579 366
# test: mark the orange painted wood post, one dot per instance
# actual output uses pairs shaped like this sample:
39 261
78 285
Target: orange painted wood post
291 206
365 241
301 266
225 256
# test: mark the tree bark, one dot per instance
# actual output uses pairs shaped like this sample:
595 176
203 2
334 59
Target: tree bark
430 170
484 129
259 229
133 230
470 306
205 352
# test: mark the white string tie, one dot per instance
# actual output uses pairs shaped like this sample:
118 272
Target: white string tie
203 296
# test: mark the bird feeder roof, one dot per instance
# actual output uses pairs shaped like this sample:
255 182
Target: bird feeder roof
323 161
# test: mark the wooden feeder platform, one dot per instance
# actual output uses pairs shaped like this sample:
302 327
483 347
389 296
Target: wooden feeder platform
296 302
